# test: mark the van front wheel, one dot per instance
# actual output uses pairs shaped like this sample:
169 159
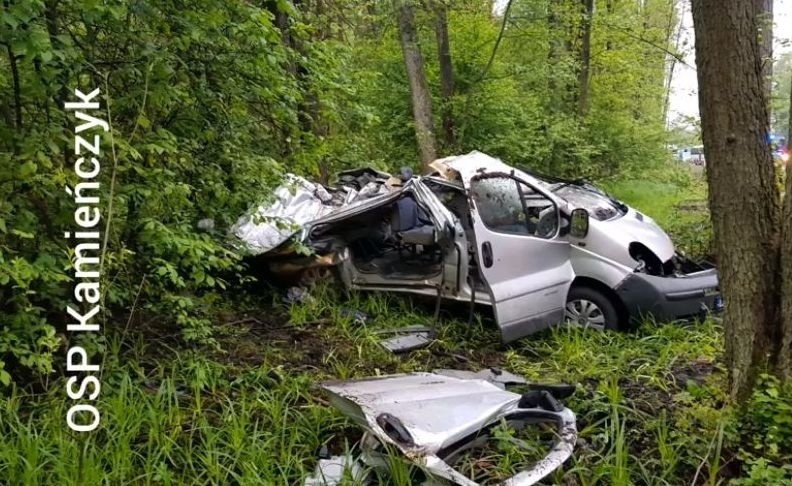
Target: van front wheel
589 308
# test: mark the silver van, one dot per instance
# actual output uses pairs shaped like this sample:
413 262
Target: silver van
538 252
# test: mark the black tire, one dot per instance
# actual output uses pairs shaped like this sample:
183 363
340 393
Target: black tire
600 300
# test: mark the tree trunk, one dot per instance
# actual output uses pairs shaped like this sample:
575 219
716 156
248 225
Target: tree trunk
558 48
789 119
675 31
743 197
12 61
419 88
785 354
766 36
609 10
585 58
446 72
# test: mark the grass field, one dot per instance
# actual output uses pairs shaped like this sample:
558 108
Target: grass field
650 403
679 207
250 414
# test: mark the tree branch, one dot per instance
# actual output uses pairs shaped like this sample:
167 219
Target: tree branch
497 43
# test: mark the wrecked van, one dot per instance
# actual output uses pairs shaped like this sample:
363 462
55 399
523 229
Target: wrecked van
483 232
626 266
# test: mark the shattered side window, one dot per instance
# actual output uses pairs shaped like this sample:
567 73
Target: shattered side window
509 206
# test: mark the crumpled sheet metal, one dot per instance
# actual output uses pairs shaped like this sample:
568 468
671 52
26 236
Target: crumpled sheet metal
425 414
296 203
499 377
467 165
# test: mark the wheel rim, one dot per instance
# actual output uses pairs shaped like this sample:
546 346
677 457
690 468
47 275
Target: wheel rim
585 313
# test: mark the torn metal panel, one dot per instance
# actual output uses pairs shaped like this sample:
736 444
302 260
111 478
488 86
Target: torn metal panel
493 375
432 418
443 169
297 203
408 341
361 176
462 406
475 162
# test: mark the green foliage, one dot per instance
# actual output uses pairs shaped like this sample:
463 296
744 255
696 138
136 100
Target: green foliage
188 142
251 413
782 90
761 472
210 103
767 422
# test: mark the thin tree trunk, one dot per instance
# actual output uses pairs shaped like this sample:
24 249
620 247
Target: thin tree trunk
12 61
419 88
785 354
446 72
766 34
585 58
671 68
557 48
609 10
672 62
789 120
319 125
743 197
51 16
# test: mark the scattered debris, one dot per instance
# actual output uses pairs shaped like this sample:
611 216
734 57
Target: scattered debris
206 224
357 316
408 342
408 338
434 419
297 295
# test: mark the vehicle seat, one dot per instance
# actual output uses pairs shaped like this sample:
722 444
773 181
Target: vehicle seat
408 225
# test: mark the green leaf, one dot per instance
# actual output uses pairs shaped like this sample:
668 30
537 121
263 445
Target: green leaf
5 378
22 234
3 227
27 169
10 20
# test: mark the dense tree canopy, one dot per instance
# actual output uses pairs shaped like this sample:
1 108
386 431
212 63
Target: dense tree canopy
210 102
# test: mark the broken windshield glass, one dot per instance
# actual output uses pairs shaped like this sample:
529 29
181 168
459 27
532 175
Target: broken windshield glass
598 206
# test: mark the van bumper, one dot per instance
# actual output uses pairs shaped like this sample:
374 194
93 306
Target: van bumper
670 298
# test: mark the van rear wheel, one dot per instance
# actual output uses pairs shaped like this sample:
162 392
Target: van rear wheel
589 308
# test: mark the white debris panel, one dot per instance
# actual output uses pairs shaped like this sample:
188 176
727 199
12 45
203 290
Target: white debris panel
295 203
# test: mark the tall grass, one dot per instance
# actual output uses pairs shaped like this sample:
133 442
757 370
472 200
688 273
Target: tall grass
188 418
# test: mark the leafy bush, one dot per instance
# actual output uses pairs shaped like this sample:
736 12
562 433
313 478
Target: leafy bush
767 422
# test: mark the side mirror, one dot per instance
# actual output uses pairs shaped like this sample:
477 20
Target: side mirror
579 224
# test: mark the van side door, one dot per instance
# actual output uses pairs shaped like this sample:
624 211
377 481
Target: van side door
523 261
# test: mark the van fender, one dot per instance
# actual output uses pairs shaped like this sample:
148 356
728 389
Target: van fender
590 265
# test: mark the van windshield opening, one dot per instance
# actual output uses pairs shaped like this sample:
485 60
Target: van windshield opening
599 207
